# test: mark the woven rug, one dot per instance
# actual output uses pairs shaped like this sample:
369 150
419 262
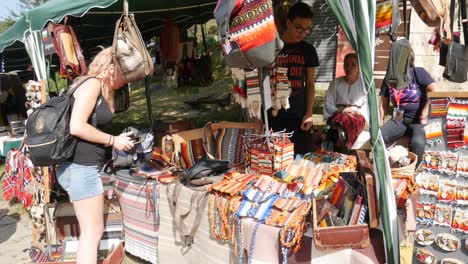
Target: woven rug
140 213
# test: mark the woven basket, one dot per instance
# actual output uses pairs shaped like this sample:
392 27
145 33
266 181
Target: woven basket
407 170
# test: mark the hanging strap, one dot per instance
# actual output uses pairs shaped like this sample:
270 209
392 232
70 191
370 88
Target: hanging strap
197 199
195 41
395 19
404 19
464 20
125 7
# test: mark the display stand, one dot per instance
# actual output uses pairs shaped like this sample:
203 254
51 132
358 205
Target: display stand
45 172
264 81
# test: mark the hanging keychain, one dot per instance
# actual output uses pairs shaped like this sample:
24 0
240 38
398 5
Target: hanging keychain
397 112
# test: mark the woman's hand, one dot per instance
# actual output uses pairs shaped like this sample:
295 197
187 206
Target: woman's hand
423 120
307 122
123 141
348 110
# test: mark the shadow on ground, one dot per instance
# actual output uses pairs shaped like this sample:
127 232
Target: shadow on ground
8 224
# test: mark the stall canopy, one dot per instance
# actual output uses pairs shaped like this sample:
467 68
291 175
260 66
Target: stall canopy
357 18
94 21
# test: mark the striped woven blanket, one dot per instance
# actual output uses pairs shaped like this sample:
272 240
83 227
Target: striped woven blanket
138 199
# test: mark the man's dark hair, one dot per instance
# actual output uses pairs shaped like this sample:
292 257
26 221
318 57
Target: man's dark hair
301 10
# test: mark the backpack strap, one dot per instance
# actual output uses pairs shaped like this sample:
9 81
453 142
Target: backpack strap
72 91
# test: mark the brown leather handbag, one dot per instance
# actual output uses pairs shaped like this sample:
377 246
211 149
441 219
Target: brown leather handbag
432 12
72 61
130 50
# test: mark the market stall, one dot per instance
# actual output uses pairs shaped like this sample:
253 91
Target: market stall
187 204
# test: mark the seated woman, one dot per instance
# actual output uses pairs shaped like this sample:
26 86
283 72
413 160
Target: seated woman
411 109
345 107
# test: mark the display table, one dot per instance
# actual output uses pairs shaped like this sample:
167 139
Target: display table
207 250
203 250
7 143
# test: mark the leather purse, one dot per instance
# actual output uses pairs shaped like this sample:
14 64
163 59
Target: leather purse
456 64
205 168
184 149
130 50
456 69
72 61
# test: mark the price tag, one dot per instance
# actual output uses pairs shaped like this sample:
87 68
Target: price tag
398 114
226 46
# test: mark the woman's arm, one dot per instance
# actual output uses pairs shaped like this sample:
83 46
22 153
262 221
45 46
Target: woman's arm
384 104
85 101
329 107
307 120
425 111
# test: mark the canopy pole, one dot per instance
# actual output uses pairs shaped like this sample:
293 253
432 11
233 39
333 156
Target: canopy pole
148 100
263 81
204 39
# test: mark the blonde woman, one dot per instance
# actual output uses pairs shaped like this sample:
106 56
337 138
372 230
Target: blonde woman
79 176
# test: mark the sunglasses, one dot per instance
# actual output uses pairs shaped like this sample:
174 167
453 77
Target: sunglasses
300 29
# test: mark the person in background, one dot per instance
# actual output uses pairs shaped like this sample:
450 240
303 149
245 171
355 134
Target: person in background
301 60
345 107
80 176
411 109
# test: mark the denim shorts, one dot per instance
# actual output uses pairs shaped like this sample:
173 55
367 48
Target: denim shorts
80 181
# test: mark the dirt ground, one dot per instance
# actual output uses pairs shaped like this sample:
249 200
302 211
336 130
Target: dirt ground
15 234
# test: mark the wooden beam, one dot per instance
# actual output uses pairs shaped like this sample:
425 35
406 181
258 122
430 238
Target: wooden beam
45 170
447 94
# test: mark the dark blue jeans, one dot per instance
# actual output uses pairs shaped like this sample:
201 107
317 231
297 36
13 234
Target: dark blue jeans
393 130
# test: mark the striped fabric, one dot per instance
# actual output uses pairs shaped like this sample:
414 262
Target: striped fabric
229 145
140 214
457 116
191 152
253 24
438 107
383 16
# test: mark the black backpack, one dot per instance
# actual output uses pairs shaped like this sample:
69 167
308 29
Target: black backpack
48 135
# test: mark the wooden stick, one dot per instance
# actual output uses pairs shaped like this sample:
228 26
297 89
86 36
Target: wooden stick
45 170
447 94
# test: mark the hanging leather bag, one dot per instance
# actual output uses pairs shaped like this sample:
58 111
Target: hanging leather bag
72 61
130 50
457 63
432 12
456 68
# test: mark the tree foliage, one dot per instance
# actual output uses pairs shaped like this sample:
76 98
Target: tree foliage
24 6
6 24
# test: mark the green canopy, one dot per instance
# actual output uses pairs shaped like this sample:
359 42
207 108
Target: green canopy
94 21
357 18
